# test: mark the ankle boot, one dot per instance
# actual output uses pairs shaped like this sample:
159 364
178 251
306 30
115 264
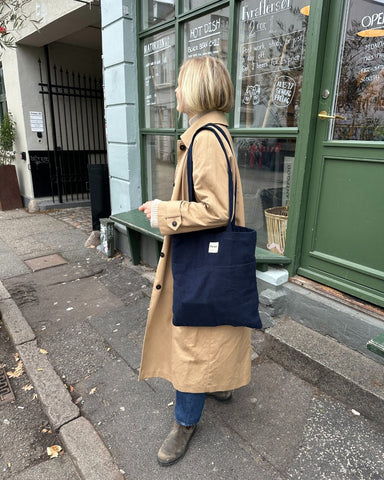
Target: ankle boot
175 445
221 396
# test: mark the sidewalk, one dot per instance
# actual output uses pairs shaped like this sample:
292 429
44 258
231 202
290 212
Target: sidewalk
81 324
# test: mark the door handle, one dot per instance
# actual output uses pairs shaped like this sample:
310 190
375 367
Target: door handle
323 115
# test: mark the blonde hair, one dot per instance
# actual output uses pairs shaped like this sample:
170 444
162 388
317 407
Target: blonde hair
205 85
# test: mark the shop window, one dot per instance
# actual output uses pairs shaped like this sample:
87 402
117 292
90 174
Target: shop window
266 166
266 59
154 12
159 80
360 96
271 47
191 4
207 35
160 154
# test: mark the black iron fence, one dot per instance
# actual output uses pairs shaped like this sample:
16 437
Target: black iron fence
73 111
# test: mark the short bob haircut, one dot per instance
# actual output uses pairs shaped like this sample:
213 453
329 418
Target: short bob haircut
205 85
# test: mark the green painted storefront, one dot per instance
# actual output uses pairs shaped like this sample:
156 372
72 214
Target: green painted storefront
290 61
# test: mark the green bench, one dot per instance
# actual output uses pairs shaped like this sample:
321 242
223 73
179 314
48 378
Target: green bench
137 224
376 345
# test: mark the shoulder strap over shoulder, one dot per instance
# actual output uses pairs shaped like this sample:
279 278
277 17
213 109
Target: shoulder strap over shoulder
191 193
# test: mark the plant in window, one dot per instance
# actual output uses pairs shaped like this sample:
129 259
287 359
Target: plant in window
7 139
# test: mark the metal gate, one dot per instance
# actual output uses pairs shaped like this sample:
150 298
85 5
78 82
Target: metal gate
73 111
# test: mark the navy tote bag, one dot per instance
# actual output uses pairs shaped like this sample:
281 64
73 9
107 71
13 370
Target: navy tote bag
214 271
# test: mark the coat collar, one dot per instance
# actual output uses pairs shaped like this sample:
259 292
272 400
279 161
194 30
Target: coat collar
209 117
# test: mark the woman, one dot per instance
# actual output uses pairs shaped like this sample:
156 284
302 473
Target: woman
198 361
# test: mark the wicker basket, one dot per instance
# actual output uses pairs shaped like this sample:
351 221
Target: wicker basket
277 219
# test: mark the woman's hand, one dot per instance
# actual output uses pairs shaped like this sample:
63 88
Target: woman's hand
147 209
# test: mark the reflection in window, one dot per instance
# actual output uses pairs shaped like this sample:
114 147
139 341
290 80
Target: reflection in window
271 46
266 166
160 154
159 76
190 4
361 84
207 35
154 12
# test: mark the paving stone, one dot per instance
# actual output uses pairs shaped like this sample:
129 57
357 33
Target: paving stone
88 452
3 292
337 445
18 328
47 261
60 468
54 397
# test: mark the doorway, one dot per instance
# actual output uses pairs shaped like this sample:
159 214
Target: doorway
344 223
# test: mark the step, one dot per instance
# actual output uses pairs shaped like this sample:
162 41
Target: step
337 370
376 345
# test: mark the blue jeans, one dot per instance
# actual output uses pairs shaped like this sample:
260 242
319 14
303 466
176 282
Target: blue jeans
189 407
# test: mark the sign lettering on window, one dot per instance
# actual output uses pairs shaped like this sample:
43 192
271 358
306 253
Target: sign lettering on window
207 35
159 80
271 47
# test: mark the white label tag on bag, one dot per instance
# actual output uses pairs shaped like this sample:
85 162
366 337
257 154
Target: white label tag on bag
213 247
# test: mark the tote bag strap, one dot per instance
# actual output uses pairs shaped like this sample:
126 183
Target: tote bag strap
230 146
211 127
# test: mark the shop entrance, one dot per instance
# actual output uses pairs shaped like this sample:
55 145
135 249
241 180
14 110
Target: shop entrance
344 225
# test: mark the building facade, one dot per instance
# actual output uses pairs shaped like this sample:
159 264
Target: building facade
308 128
53 85
307 124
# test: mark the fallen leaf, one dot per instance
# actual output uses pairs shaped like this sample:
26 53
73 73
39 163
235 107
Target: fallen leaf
40 370
93 391
44 352
18 371
71 389
34 396
54 450
26 388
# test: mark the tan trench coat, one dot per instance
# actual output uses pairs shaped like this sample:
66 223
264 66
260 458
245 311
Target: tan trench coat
195 359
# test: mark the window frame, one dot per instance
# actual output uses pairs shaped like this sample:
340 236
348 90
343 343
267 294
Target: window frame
177 22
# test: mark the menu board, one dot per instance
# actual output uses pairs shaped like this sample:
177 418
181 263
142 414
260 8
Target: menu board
271 47
159 80
207 35
360 97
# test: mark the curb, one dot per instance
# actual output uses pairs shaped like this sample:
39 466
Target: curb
337 370
87 451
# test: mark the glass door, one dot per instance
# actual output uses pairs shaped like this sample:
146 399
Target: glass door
344 225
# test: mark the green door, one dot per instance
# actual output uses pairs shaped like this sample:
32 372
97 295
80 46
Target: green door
343 243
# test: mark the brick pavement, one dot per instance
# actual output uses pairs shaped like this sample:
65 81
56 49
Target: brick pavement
78 217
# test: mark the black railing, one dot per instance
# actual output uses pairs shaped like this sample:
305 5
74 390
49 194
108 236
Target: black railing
73 111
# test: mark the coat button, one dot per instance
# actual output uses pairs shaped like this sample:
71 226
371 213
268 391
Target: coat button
182 147
162 254
158 287
174 223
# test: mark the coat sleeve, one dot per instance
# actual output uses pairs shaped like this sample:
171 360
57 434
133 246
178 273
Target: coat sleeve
210 178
